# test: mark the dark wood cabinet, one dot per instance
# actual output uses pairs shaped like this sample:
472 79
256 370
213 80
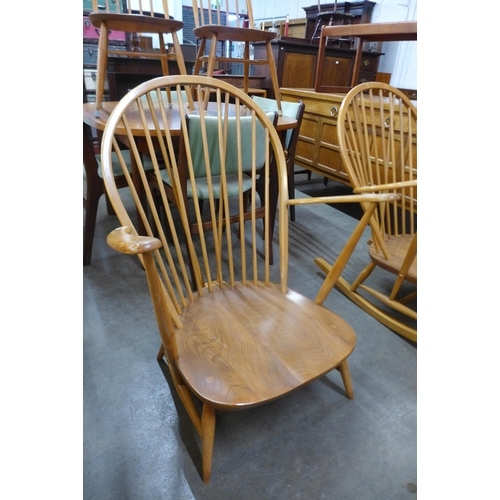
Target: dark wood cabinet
296 59
361 12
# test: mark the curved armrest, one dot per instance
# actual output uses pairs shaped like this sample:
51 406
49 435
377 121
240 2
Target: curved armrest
361 198
124 241
386 187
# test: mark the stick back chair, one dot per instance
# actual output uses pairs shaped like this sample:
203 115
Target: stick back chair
134 16
237 337
377 130
210 26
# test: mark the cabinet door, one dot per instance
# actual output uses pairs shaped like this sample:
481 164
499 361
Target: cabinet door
317 147
337 71
328 150
298 70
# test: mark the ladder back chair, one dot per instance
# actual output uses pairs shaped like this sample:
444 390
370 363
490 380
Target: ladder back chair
213 26
377 131
236 337
134 16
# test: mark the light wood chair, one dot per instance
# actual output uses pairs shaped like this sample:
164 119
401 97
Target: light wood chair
138 17
238 337
377 131
294 110
213 26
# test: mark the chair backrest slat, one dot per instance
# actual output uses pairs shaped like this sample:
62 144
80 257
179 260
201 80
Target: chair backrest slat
237 179
131 7
204 13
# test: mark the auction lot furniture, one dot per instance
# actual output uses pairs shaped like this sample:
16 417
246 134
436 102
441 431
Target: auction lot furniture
377 131
376 32
236 337
317 147
210 28
113 16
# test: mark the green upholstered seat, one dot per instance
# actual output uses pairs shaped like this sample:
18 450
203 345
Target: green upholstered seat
197 153
290 109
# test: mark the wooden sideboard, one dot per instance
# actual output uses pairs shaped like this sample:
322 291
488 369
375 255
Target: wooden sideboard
317 147
296 62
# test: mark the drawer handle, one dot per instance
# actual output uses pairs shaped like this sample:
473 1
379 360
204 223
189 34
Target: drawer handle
366 62
94 77
87 23
334 111
91 51
387 123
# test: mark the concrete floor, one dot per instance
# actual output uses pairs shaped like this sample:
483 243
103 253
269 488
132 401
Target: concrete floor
314 444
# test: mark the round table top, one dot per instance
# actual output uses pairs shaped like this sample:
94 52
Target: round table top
173 116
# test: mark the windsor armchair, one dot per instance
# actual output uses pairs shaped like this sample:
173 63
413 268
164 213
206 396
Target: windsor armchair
377 131
237 336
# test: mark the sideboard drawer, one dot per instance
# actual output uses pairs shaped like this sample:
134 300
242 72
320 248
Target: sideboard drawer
317 146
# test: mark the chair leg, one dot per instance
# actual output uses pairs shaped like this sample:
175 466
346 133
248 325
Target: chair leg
207 439
91 206
102 62
343 368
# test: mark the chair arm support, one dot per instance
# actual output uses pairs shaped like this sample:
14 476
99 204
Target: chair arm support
386 187
122 240
368 198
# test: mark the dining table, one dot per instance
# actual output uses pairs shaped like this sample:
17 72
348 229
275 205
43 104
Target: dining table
92 121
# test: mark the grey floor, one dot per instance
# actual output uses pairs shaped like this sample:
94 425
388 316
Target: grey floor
314 444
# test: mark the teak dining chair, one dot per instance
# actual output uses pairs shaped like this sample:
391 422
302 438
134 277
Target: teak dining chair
294 110
143 18
211 27
377 131
238 337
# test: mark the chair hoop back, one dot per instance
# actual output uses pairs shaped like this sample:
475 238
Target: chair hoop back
377 138
151 130
377 132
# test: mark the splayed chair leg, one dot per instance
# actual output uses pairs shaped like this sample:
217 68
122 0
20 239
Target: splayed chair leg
343 368
207 439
